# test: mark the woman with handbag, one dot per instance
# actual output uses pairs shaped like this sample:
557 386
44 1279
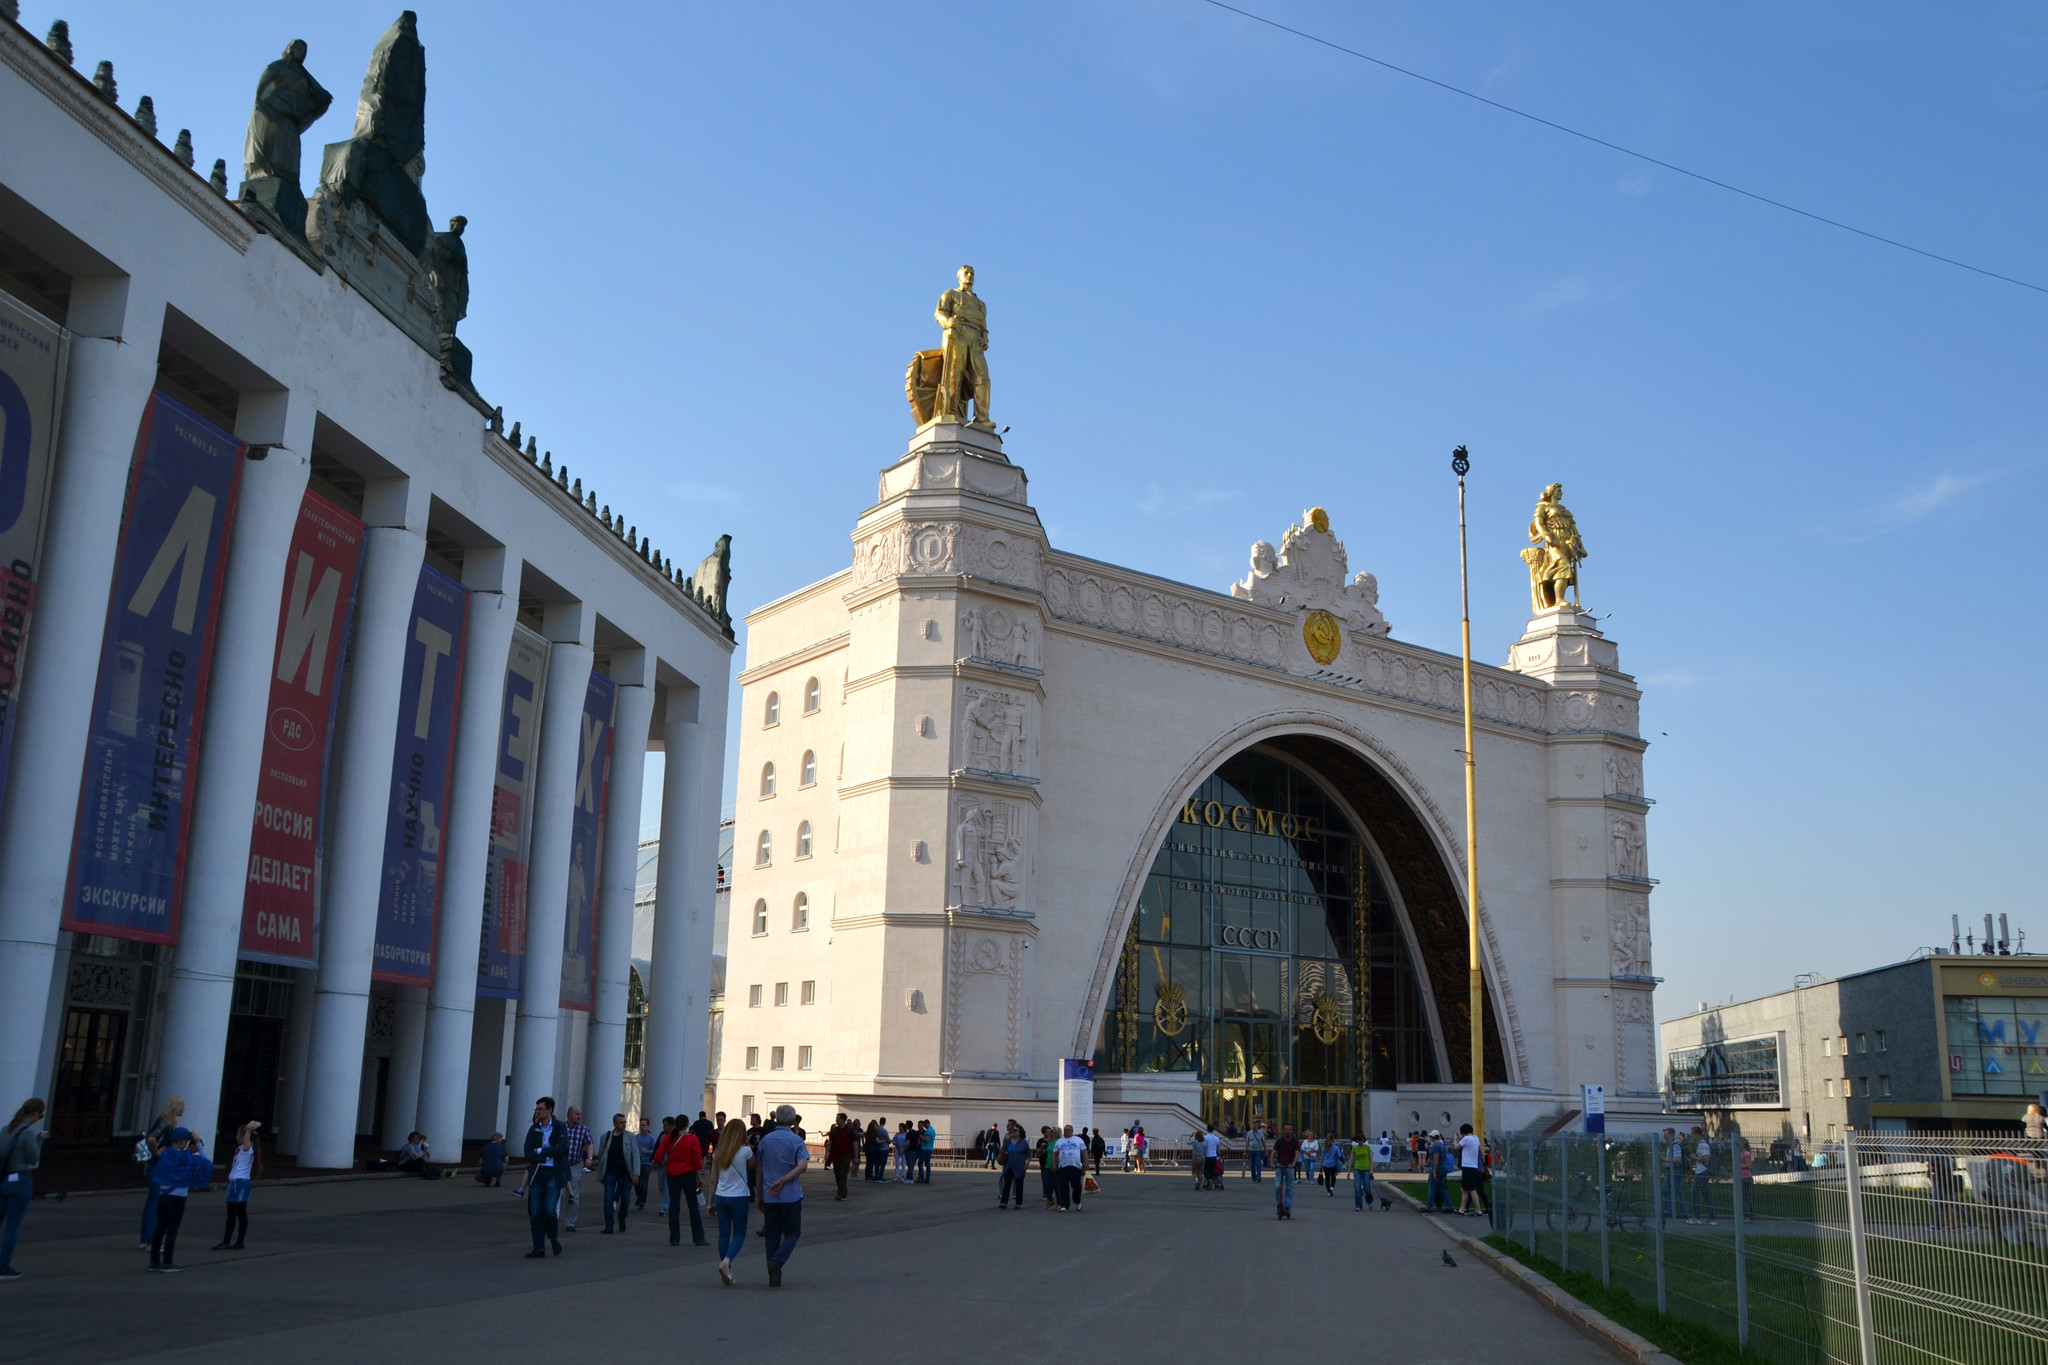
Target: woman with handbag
21 1151
147 1150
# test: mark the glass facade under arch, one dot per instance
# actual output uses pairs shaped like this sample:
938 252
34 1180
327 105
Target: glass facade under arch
1266 956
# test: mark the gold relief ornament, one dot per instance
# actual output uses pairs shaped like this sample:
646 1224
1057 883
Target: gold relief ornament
1555 549
1170 1011
1319 631
1326 1021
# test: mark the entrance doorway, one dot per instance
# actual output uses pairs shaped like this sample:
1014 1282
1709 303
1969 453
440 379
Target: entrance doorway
88 1076
248 1084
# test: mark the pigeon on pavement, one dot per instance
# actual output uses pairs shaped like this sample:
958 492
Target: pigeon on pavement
1449 1262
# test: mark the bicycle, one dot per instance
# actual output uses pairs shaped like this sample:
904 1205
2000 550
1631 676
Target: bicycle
1623 1214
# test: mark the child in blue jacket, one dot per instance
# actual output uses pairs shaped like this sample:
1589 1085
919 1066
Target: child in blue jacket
180 1168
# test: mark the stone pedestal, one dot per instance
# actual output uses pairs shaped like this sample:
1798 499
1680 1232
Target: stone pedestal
357 246
278 200
1564 642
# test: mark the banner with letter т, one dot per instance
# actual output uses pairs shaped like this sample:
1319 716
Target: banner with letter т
422 765
32 357
501 951
135 804
280 904
586 825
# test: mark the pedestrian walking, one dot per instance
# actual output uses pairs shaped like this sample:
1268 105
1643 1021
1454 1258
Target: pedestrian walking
730 1163
617 1160
1311 1153
1333 1160
547 1155
840 1141
1672 1156
993 1148
243 1167
181 1167
571 1172
1471 1172
1016 1154
1702 1167
1097 1147
647 1141
1043 1151
1438 1156
1211 1177
1361 1174
680 1159
21 1151
876 1144
490 1169
1142 1145
1286 1151
1255 1149
152 1145
1068 1154
784 1158
927 1139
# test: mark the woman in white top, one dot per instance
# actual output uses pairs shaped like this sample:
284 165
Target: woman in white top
1310 1150
243 1168
729 1162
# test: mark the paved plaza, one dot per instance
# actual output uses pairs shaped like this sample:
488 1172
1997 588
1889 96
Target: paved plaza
1150 1270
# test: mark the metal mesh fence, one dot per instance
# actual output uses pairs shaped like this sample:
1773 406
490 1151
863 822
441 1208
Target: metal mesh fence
1901 1250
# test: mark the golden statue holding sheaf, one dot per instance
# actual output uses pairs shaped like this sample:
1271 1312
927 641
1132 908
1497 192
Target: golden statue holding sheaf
942 384
1554 553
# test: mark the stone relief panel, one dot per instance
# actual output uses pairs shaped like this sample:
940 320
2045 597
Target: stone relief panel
947 547
100 983
993 731
985 1002
1309 572
1631 936
952 470
1099 599
989 848
1001 634
1624 774
1581 710
1630 856
1635 1045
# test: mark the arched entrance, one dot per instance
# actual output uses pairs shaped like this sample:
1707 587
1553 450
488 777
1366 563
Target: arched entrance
1291 945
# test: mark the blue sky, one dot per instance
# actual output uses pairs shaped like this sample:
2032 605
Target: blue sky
1231 274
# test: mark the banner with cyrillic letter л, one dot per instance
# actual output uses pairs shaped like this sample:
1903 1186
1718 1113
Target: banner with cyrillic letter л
422 763
501 949
586 824
135 805
32 356
280 903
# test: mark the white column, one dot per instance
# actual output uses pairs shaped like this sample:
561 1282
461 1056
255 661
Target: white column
202 985
604 1071
362 801
666 1088
107 390
570 626
700 892
492 579
402 1086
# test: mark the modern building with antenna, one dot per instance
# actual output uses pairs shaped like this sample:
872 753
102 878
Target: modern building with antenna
1950 1040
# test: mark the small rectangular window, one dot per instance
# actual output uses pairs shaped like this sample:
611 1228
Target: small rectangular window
753 997
1880 1040
1831 1132
1846 1091
1831 1089
1844 1041
1884 1086
775 1059
803 1058
1827 1047
746 1104
1862 1043
809 993
782 993
753 1059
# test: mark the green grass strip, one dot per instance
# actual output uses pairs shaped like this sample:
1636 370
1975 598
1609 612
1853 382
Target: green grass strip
1692 1344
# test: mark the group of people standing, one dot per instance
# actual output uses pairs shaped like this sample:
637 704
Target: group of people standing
903 1156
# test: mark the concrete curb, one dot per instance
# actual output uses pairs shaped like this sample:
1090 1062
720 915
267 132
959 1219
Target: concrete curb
1631 1346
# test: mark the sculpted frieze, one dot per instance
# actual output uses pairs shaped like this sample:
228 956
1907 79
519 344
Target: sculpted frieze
1624 774
1630 858
988 854
993 733
947 547
1631 937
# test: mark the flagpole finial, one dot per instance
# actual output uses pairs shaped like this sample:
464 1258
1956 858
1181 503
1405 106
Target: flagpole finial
1460 462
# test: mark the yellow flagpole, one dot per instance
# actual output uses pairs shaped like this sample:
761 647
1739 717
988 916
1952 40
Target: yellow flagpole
1461 462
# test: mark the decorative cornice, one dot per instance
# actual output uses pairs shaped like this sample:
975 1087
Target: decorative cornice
70 91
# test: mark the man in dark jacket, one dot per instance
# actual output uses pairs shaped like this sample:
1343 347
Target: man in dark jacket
840 1145
547 1156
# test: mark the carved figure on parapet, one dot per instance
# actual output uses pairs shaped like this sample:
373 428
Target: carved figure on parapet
713 579
1555 550
381 164
943 385
1308 574
288 102
448 276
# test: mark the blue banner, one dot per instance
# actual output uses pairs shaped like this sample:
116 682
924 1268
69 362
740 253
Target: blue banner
586 824
501 949
422 764
32 359
135 805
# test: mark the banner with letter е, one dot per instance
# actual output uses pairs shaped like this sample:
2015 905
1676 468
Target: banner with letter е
586 825
135 804
501 951
422 764
280 904
32 357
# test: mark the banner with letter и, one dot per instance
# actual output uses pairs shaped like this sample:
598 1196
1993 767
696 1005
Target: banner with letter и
280 904
135 804
501 950
32 356
586 825
422 764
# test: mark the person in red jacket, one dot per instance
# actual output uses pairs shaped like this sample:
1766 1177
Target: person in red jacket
840 1144
680 1157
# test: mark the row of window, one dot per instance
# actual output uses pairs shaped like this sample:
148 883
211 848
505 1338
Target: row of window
799 920
775 1061
807 994
764 847
807 774
1884 1088
1829 1042
771 710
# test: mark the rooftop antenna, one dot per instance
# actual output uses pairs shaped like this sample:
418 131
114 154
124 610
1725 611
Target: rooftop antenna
1955 934
1970 941
2004 937
1990 945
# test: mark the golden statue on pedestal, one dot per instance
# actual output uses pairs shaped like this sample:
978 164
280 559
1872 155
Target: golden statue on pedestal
1554 553
941 384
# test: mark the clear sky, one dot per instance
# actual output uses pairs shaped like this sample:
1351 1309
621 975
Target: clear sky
1231 275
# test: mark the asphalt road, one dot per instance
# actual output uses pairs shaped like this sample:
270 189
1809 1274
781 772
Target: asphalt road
401 1270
